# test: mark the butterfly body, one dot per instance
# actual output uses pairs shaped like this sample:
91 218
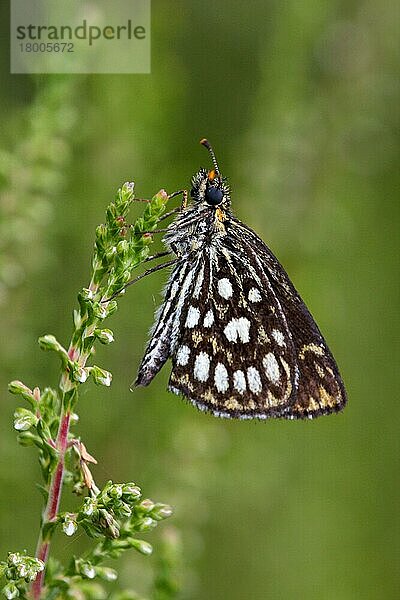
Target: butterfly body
242 342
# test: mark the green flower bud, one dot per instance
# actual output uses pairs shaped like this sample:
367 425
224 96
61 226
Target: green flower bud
101 376
121 508
122 248
105 336
159 200
79 373
101 234
69 525
107 573
131 492
161 511
142 546
17 387
24 419
49 342
89 506
22 570
85 299
88 570
116 490
145 524
108 522
14 558
100 311
128 189
10 591
31 576
111 252
31 567
145 506
86 294
39 564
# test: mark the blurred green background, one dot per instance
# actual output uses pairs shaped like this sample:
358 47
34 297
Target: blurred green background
300 100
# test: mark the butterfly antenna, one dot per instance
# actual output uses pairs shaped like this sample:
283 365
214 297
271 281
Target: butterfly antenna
207 144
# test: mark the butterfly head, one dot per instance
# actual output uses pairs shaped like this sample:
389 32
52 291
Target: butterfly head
208 186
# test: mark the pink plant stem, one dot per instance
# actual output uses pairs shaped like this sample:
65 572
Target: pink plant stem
53 503
55 488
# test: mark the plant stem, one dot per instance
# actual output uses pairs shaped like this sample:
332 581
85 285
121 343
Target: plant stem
56 483
55 487
53 502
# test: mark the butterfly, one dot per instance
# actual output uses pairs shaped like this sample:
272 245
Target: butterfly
242 342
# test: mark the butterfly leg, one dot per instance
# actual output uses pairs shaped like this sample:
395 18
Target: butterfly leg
158 255
163 230
139 277
152 270
184 197
170 213
184 200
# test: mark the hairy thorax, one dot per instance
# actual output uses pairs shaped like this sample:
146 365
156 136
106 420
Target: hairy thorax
195 229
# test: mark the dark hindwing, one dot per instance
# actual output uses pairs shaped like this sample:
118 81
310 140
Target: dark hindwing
232 351
319 389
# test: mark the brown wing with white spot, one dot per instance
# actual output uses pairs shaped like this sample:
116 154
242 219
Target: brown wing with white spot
320 389
233 354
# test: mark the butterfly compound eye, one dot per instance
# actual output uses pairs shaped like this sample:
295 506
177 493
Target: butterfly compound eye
214 196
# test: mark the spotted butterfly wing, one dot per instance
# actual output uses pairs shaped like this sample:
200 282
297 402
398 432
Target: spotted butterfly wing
224 361
242 342
318 386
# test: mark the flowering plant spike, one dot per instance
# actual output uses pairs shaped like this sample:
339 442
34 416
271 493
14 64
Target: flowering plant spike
114 516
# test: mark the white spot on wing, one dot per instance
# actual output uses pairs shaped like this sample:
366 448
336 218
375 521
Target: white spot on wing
193 317
221 378
238 328
254 379
225 288
239 381
182 355
254 295
278 337
208 319
271 367
243 328
202 366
